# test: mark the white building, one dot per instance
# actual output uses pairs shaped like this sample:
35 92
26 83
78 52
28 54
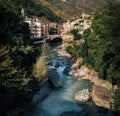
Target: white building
81 23
36 29
67 26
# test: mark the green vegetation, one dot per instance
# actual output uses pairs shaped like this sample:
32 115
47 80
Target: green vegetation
102 45
17 57
72 8
12 25
76 34
74 51
45 51
40 68
34 8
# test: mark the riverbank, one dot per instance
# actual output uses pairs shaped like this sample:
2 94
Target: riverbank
61 100
101 90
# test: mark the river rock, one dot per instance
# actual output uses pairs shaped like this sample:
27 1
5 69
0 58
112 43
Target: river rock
101 96
41 95
83 95
77 64
53 78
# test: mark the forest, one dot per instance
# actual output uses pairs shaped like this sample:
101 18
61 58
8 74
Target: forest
19 59
101 46
20 63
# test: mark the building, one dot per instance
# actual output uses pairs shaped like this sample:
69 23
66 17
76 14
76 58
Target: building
62 30
36 28
39 29
44 30
67 26
81 23
53 29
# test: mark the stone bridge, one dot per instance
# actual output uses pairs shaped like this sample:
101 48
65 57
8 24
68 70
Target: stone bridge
51 37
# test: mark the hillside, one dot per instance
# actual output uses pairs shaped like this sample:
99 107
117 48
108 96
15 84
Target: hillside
33 8
71 8
57 10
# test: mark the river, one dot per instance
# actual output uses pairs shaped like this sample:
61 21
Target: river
60 101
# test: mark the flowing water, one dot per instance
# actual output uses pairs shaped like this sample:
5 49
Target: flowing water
61 99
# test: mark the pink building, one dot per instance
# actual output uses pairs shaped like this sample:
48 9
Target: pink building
54 29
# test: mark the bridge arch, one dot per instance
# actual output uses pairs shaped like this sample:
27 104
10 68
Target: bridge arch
56 41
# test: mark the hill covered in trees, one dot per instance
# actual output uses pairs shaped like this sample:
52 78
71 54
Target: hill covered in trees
102 45
71 8
33 8
17 59
57 10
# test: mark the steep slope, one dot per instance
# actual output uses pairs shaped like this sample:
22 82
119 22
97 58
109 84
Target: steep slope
70 8
33 8
60 8
57 10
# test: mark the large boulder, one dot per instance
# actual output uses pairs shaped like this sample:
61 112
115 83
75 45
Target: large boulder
41 95
53 78
83 95
101 96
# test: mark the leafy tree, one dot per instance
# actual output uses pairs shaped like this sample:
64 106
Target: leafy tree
76 34
40 69
12 24
13 75
101 47
45 50
103 44
16 57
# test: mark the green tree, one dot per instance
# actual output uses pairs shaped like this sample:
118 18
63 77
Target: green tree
45 50
16 56
76 34
12 24
103 45
40 69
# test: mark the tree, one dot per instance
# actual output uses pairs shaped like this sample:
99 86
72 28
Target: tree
40 69
76 34
12 24
45 50
16 57
103 45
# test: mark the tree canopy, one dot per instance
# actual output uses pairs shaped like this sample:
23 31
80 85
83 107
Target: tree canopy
102 45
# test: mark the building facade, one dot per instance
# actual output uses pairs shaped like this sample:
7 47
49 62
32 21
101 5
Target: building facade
81 24
36 29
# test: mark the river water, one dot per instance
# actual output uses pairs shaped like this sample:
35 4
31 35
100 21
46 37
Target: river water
61 100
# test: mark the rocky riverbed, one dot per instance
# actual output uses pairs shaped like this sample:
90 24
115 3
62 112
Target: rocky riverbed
60 100
101 90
